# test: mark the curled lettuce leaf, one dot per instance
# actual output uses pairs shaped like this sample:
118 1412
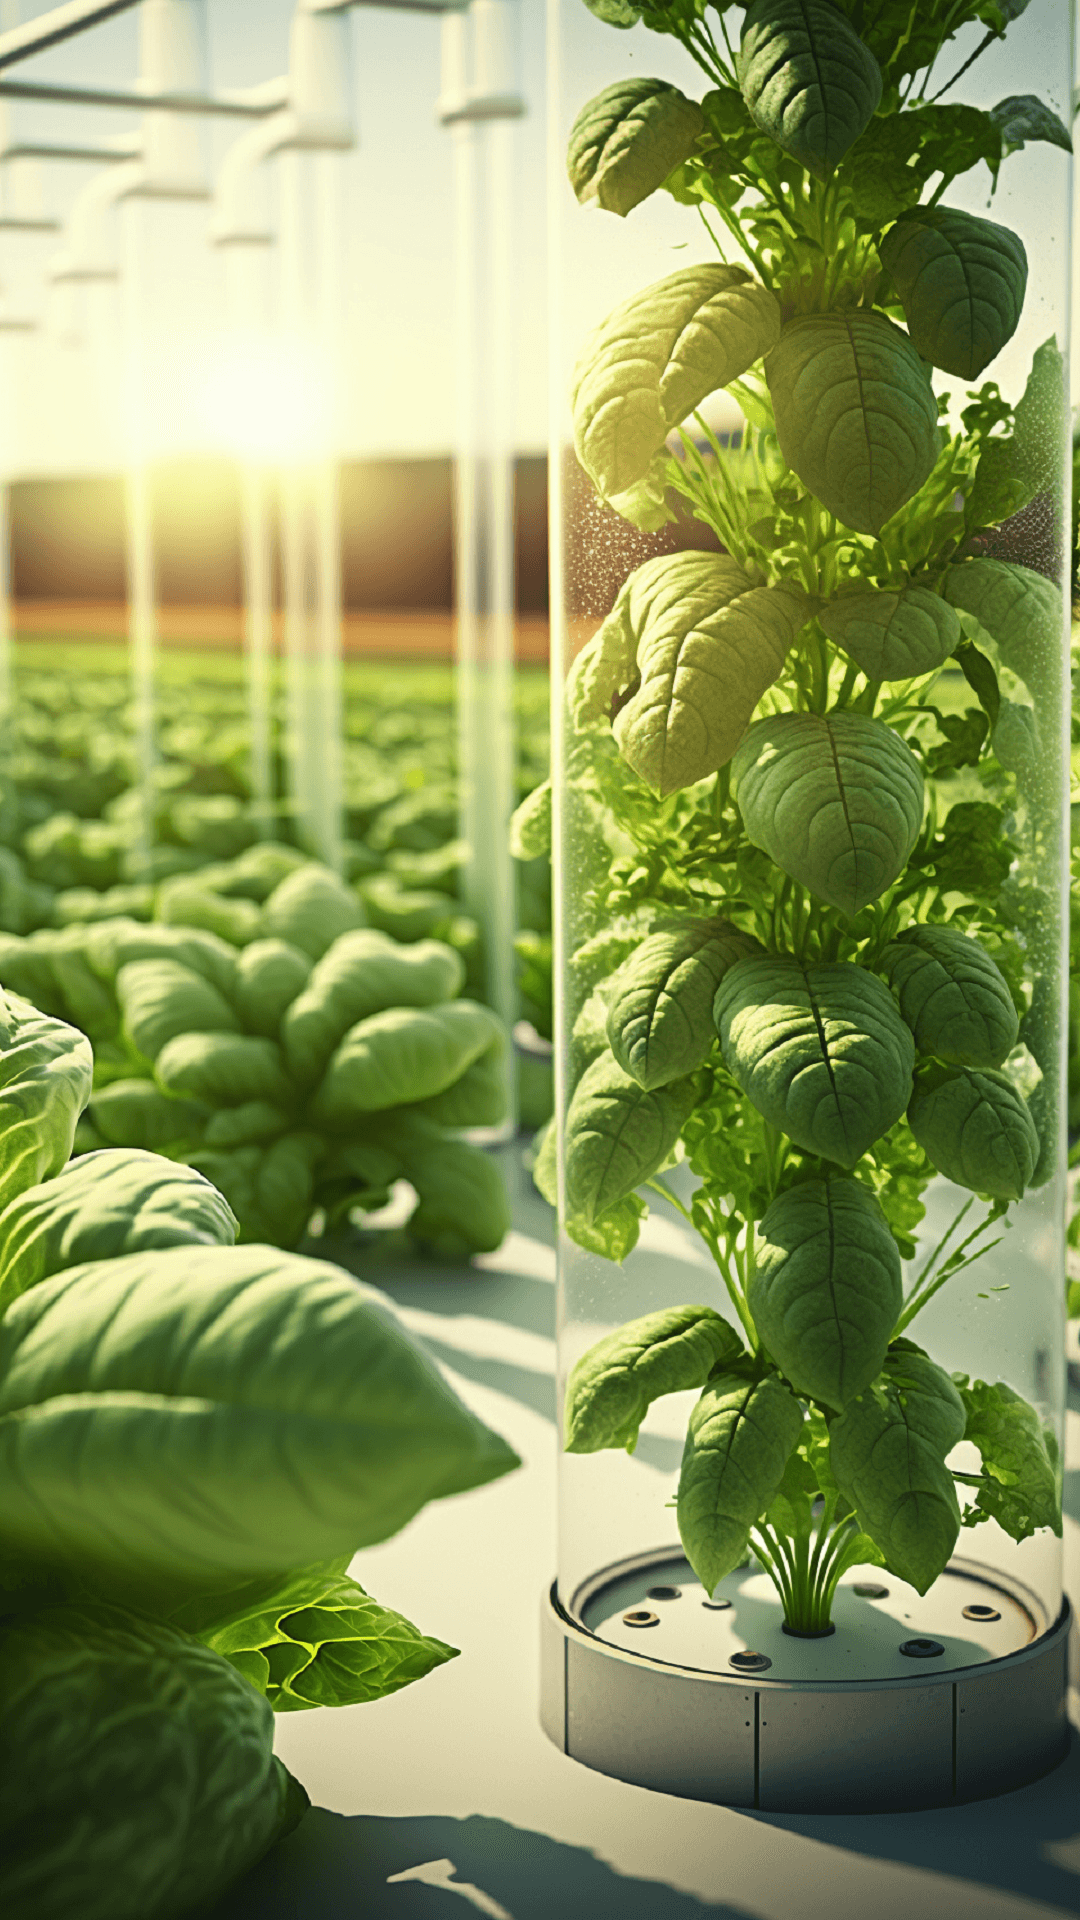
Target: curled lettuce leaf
104 1204
161 998
180 1421
309 909
269 975
360 974
224 1069
403 1055
46 1069
317 1640
139 1774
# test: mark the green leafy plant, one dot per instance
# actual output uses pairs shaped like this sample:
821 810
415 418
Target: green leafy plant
806 946
195 1438
306 1063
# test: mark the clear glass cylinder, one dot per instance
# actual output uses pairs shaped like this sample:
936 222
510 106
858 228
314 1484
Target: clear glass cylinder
718 762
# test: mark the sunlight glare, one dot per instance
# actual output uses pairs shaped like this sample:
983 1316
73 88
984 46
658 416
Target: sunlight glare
263 397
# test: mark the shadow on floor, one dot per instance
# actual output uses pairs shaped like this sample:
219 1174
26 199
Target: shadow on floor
334 1867
1027 1843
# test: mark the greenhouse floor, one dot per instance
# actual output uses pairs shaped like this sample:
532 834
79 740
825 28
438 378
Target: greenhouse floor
450 1789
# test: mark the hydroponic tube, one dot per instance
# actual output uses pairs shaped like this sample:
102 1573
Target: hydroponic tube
810 759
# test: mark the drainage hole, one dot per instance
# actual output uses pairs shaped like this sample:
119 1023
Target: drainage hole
664 1593
716 1606
866 1590
921 1649
981 1613
750 1662
641 1617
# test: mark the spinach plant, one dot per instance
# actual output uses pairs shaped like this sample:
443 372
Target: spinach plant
812 927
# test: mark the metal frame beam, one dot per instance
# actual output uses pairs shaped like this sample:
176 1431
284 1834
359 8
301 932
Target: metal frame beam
49 29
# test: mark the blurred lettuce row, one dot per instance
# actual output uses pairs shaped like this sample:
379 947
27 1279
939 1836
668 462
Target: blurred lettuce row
195 1438
299 1056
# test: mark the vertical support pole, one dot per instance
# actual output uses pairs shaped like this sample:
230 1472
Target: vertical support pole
139 523
310 529
479 110
247 299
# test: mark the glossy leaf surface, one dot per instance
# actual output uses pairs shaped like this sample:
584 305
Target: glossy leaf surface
821 1051
835 799
1019 609
46 1069
1021 1484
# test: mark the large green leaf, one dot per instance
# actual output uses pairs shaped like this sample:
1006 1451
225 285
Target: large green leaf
961 282
856 416
740 1437
707 645
224 1069
462 1206
406 1054
269 975
1021 1480
613 1385
835 799
821 1051
976 1129
659 1022
112 1202
530 824
811 84
1021 612
139 1775
893 636
626 141
318 1641
113 943
618 1134
176 1422
309 909
953 997
887 1451
135 1113
654 359
161 998
826 1287
363 973
1023 117
46 1069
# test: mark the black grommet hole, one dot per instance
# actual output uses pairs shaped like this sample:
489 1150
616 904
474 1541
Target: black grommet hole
921 1649
981 1613
641 1617
664 1593
716 1606
866 1590
750 1662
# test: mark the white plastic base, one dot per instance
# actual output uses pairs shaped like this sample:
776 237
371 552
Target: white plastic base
910 1703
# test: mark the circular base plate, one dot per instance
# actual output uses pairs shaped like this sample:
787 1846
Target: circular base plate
968 1617
846 1723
